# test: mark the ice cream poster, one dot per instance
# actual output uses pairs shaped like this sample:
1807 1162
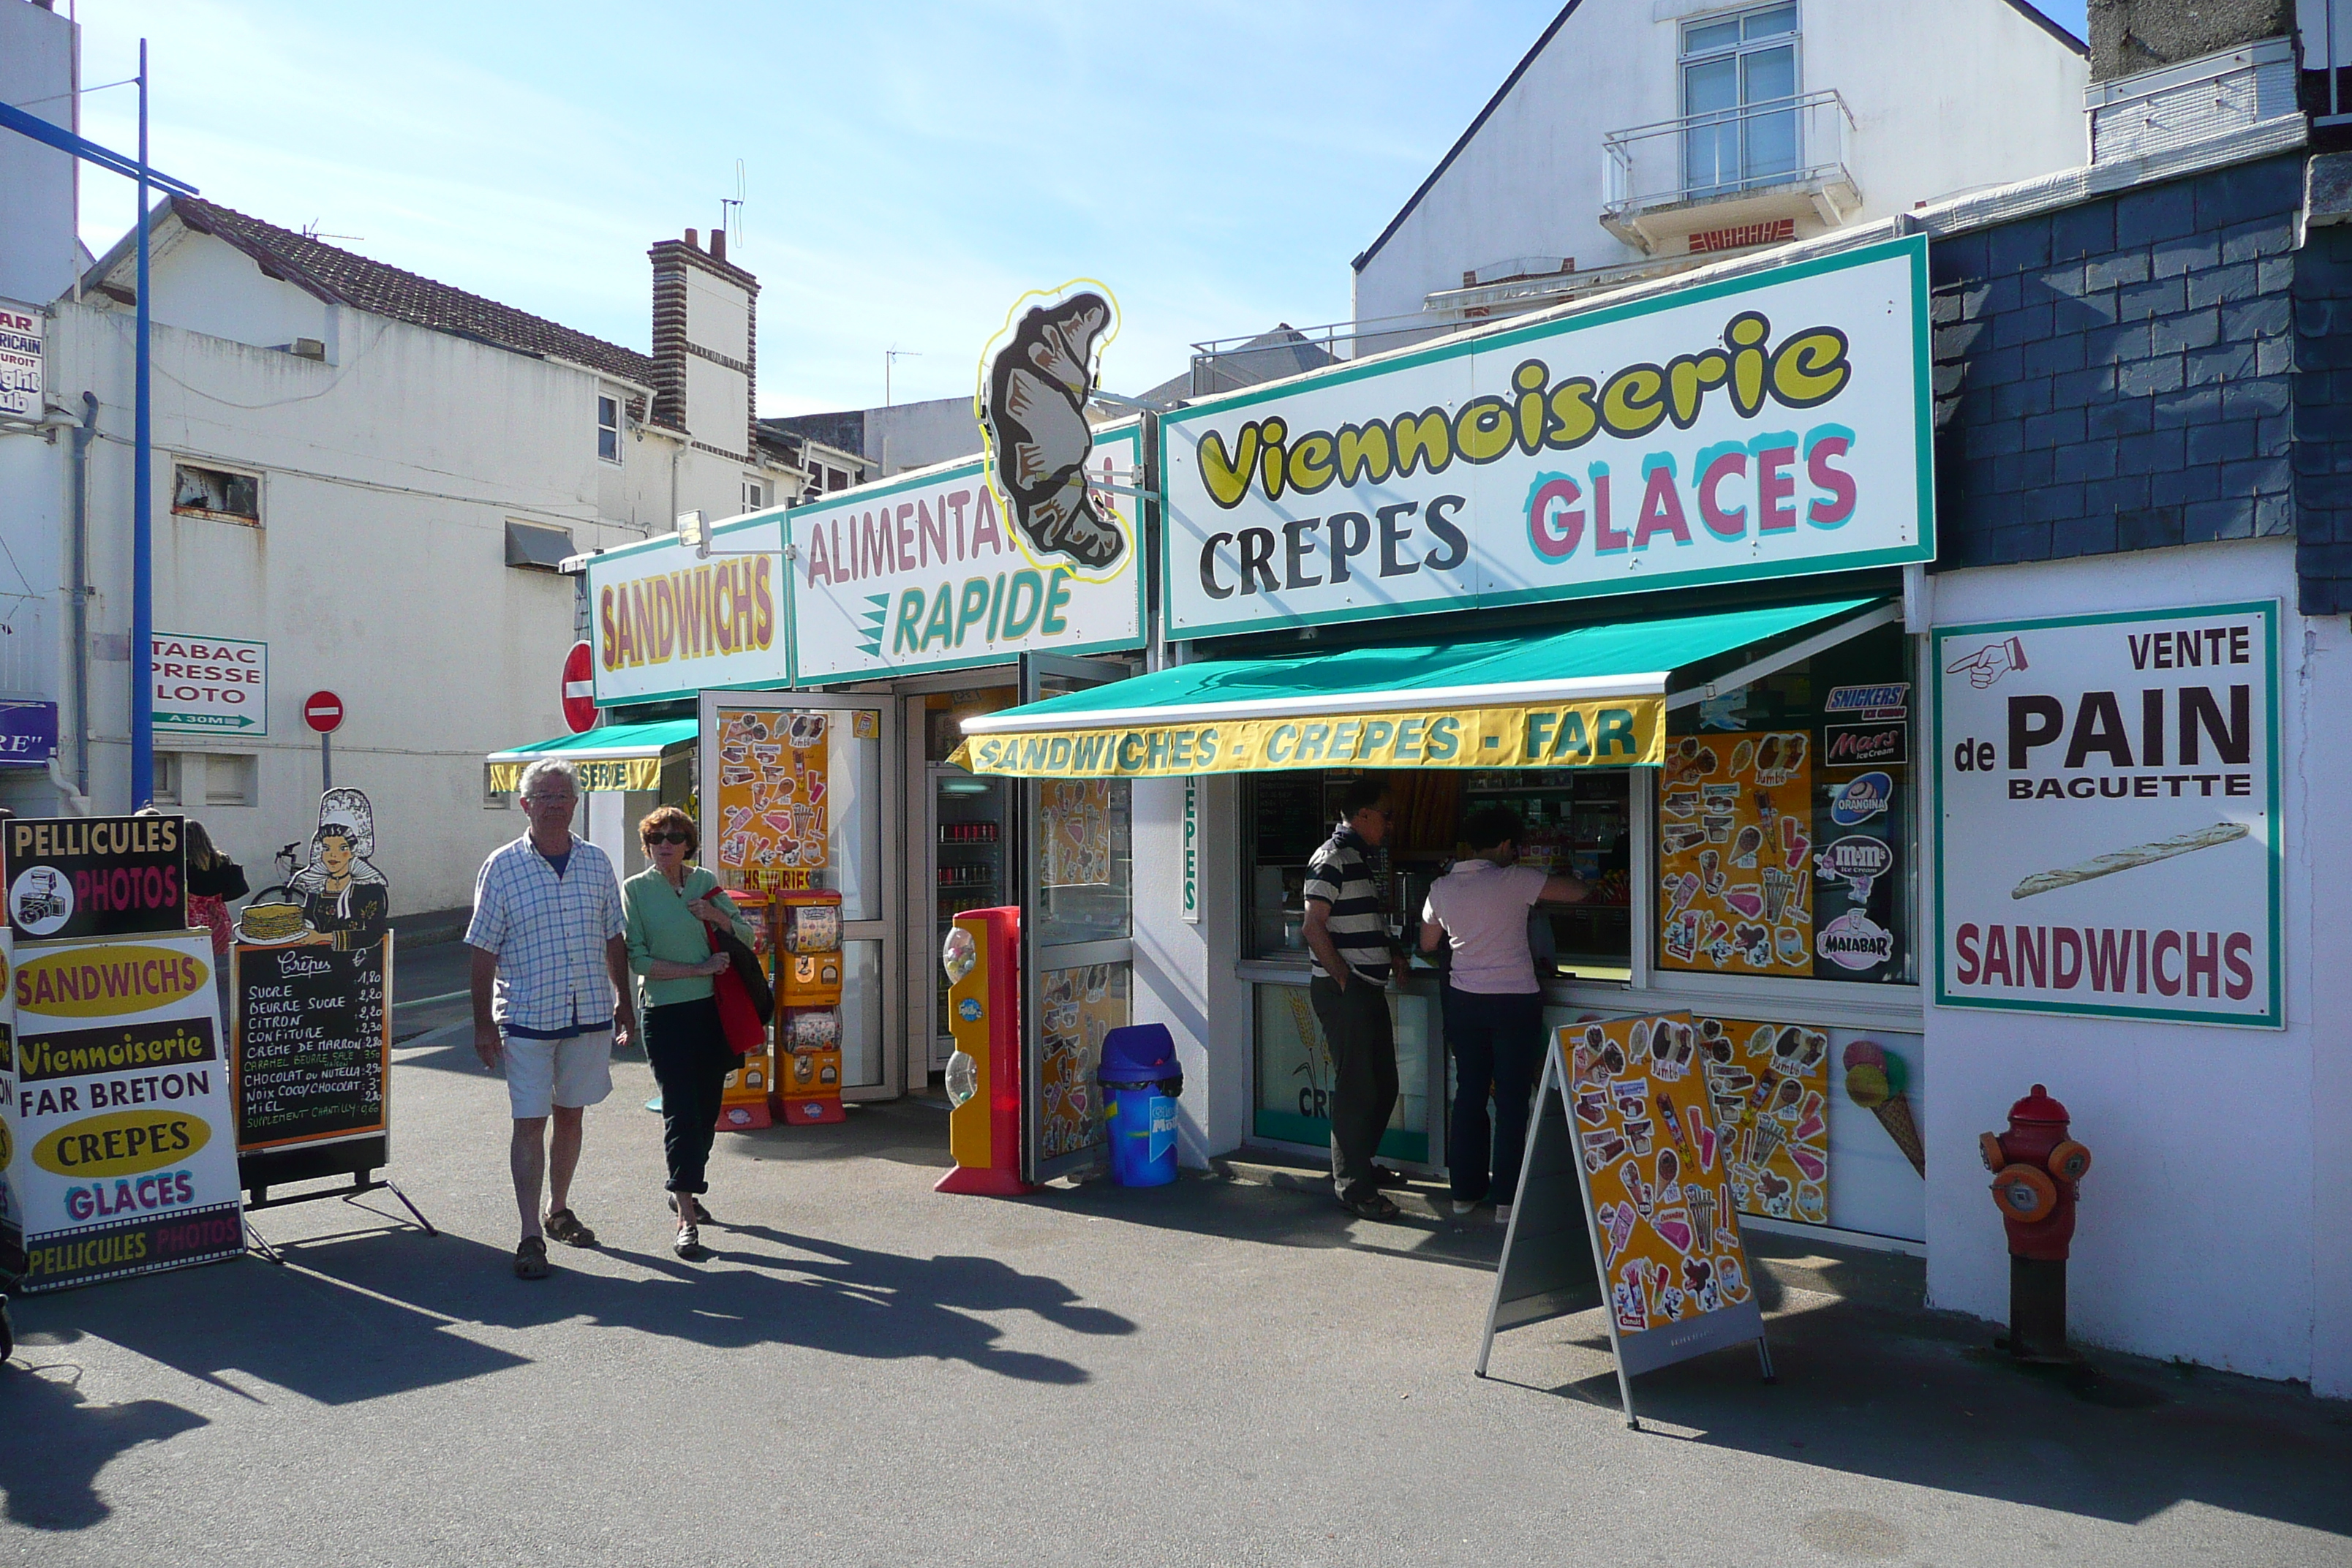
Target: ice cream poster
772 814
1735 854
1664 1214
1078 1007
1769 1084
1073 821
2106 814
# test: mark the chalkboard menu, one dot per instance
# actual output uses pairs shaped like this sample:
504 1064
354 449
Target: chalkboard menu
313 1042
1291 824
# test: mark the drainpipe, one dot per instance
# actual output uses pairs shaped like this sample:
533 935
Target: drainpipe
79 588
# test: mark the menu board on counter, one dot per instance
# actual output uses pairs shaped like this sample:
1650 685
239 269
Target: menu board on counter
314 1043
1290 822
1735 854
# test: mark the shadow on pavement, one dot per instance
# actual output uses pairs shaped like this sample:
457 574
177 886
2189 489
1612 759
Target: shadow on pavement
840 1300
1925 1400
57 1442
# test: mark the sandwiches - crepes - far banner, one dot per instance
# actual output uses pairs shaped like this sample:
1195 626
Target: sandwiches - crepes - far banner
1762 426
122 1128
2107 815
928 571
773 817
1611 732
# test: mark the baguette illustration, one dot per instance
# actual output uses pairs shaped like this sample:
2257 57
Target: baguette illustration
2129 859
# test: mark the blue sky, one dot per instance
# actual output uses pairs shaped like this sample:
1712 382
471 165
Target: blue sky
911 168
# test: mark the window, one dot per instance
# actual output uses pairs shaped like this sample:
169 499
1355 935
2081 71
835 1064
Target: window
220 494
232 778
755 495
608 428
834 480
1735 69
169 771
816 477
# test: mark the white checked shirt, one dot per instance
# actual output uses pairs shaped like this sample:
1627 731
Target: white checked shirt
549 932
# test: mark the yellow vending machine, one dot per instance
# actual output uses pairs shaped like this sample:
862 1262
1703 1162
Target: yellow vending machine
808 1006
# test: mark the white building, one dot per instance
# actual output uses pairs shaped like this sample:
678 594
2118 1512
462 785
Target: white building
366 481
1642 135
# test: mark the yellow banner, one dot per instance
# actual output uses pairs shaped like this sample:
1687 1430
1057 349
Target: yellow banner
631 773
1612 733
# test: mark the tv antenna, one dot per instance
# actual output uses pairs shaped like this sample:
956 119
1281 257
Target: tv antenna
731 212
890 356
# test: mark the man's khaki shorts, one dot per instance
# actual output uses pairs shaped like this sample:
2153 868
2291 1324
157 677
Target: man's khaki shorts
570 1073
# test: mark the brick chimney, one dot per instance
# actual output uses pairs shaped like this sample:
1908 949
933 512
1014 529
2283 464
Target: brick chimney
2132 35
706 336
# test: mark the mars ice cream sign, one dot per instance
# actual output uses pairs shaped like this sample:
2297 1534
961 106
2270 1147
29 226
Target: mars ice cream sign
2107 815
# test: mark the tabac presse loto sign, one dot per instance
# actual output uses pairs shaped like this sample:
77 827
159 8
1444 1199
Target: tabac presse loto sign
1762 426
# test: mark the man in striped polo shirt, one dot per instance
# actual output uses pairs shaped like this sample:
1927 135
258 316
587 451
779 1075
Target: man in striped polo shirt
1347 933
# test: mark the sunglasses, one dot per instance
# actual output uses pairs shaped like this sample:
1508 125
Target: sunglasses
672 837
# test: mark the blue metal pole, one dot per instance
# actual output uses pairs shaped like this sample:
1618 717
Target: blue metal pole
142 503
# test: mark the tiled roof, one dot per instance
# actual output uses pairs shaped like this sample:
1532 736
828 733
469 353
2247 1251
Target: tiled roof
342 277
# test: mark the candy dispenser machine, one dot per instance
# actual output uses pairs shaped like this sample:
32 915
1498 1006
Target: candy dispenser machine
743 1098
808 1006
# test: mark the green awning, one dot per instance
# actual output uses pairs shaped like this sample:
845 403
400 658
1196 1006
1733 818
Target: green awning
610 756
1590 696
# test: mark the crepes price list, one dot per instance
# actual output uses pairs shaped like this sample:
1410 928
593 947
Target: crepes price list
313 1045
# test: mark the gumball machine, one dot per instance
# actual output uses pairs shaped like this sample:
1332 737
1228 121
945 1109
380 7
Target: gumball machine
2035 1167
808 1006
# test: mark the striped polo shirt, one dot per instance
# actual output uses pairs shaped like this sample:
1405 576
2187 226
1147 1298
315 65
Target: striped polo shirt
1341 877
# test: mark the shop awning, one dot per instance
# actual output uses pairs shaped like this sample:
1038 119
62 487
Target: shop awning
611 757
1594 696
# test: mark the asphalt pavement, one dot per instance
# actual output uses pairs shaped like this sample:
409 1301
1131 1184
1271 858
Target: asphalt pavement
1222 1371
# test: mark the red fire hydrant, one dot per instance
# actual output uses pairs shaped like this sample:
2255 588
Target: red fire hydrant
2035 1167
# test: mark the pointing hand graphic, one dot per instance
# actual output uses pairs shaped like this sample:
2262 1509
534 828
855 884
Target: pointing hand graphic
1990 663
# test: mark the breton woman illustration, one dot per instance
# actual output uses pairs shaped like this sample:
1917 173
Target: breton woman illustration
343 895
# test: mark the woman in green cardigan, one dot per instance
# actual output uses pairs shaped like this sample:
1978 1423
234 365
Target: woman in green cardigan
671 908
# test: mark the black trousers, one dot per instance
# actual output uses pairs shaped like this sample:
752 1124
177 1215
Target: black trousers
1495 1041
688 1047
1362 1043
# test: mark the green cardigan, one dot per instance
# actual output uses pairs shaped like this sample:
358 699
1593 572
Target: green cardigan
659 925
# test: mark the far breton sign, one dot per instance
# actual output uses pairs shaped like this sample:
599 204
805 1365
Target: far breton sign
2107 815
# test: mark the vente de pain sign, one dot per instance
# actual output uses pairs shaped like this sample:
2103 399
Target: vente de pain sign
928 571
1762 426
2107 819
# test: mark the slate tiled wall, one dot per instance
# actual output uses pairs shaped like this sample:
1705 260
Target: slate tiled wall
2125 374
2323 420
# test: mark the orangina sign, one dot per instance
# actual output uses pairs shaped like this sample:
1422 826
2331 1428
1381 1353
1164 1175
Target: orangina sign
1766 426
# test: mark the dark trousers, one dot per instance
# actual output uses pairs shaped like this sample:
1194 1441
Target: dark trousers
1357 1032
1496 1040
688 1047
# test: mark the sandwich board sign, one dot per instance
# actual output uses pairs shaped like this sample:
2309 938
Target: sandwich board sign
1623 1204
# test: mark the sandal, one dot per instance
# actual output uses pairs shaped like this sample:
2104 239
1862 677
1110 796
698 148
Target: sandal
531 1258
689 1242
563 1225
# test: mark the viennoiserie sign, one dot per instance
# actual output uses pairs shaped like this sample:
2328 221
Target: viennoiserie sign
2107 815
1764 426
937 570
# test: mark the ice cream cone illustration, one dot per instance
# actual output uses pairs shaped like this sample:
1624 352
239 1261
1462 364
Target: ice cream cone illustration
1874 1082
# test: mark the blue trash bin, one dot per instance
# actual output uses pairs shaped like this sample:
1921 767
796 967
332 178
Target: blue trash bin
1140 1081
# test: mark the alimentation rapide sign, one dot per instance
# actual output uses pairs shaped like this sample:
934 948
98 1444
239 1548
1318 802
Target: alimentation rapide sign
122 1140
2107 815
930 571
666 622
1764 426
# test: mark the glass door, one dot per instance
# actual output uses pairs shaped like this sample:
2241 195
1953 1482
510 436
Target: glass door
969 853
793 793
1073 851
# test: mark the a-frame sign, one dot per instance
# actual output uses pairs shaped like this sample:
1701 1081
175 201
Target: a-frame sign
1623 1204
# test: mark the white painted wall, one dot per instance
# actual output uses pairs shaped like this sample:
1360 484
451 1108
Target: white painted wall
37 50
1183 973
379 571
2216 1223
1980 97
203 285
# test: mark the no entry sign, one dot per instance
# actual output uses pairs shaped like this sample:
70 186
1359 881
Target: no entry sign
579 689
324 712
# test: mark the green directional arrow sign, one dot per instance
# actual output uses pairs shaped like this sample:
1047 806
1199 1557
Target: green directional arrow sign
204 720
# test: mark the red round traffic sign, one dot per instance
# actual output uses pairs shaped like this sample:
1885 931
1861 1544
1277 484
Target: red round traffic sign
324 712
579 690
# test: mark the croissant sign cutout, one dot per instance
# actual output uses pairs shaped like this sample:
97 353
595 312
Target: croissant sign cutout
1035 380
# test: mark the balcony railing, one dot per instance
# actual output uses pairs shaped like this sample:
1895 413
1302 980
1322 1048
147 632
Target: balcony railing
1768 145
